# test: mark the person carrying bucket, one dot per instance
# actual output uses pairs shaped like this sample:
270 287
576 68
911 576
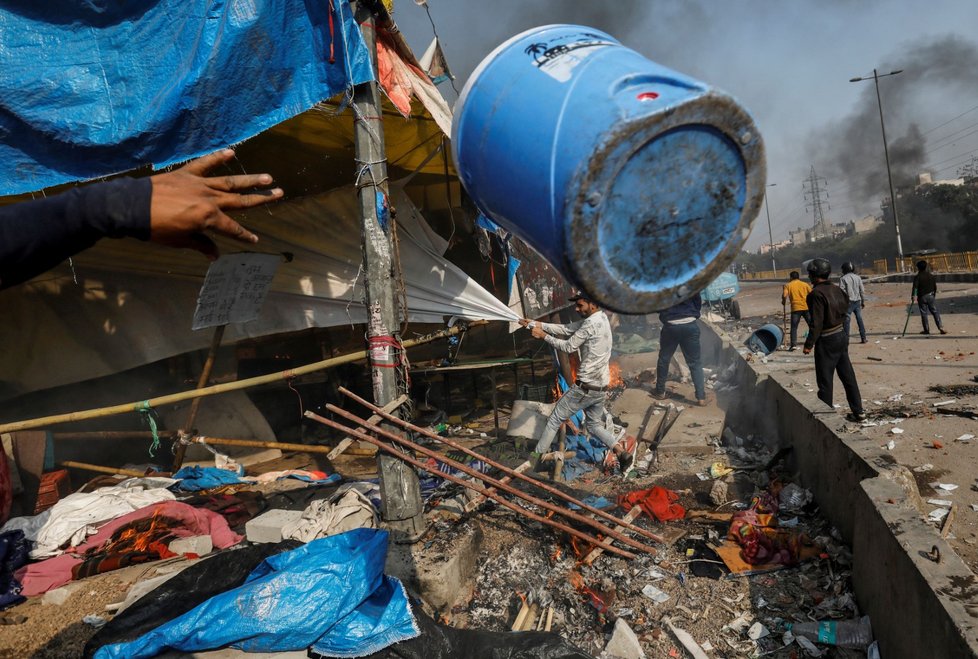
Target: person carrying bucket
829 305
796 291
592 338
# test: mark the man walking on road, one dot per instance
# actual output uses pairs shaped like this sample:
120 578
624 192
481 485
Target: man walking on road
592 337
797 292
852 285
829 305
926 286
680 330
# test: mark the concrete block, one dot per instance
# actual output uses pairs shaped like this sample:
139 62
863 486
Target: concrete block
442 575
267 527
195 544
529 418
624 644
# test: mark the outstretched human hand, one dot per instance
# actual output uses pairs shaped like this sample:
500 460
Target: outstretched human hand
185 204
537 332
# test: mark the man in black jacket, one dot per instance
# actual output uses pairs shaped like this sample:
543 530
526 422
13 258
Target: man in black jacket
174 208
926 287
829 306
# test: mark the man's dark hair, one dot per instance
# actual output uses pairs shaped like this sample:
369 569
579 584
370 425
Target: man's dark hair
921 265
794 275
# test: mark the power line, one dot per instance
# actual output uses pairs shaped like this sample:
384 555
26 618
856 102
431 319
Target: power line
950 120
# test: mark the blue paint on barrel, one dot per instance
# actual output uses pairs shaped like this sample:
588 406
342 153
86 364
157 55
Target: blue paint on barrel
637 182
765 339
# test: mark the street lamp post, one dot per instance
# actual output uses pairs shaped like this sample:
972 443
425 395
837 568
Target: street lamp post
770 234
886 154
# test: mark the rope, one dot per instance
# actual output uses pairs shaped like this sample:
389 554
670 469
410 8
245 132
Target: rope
149 414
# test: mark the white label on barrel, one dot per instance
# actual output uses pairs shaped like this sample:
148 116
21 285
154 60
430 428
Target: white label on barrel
559 57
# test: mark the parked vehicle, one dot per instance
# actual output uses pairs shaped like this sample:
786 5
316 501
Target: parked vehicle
719 295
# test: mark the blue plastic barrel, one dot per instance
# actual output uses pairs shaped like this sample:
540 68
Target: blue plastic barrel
765 339
638 183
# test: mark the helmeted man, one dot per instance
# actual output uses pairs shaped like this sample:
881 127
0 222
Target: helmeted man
829 305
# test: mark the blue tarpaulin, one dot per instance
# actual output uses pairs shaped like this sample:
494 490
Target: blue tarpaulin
96 87
330 594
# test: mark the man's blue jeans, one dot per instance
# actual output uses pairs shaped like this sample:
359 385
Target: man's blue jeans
927 303
573 401
855 308
687 337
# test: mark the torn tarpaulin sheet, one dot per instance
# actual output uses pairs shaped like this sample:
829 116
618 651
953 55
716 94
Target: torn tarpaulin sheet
330 594
196 584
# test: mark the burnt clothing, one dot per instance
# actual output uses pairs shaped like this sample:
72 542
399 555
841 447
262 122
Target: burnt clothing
831 357
924 283
829 307
37 235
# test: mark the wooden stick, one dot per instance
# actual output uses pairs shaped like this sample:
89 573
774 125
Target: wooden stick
550 618
520 617
376 418
205 375
102 470
465 469
112 434
503 468
479 500
632 515
467 484
946 527
215 389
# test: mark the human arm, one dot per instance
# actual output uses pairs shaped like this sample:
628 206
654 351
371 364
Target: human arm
571 344
558 329
174 208
784 294
862 293
816 306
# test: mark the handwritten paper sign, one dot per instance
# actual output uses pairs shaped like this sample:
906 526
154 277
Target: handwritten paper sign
234 289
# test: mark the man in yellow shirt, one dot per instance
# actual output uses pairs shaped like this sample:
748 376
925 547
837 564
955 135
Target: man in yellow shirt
797 292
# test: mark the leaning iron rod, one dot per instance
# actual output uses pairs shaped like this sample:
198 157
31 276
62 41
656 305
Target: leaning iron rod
467 484
503 468
581 519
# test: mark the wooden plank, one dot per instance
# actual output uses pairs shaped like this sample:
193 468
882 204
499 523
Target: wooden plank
520 617
550 618
946 528
375 418
632 515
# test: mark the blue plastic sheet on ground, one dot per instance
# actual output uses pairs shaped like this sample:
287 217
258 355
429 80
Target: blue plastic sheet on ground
94 87
330 594
590 453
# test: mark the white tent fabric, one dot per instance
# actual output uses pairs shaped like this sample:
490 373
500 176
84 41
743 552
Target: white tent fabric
125 303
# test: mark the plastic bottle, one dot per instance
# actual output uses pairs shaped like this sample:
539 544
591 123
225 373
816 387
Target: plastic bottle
854 634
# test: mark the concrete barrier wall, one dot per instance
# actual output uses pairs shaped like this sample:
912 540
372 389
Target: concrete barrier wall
919 607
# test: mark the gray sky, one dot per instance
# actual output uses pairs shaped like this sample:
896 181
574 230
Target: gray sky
789 62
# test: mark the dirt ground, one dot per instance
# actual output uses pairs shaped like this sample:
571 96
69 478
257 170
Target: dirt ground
895 376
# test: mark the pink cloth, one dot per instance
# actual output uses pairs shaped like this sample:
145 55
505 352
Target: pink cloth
38 578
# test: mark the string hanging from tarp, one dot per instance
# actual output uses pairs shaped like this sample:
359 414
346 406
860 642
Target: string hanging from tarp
149 416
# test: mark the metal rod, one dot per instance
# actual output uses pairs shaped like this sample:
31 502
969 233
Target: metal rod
498 484
469 485
506 470
205 375
212 390
889 175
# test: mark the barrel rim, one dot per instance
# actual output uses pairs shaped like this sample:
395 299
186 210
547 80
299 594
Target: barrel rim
714 109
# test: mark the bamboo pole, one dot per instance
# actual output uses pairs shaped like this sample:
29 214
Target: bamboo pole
205 375
468 484
169 399
512 473
284 446
112 434
498 484
102 470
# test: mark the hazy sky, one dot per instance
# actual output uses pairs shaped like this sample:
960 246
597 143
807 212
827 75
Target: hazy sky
789 62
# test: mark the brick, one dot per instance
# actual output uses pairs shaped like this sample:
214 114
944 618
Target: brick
267 527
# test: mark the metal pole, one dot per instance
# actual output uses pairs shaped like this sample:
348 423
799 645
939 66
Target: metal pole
770 234
401 505
889 176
